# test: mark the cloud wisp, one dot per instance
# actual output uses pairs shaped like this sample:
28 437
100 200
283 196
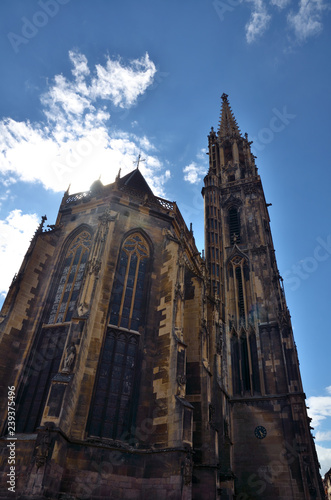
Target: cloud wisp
76 142
307 21
16 232
258 22
196 170
303 21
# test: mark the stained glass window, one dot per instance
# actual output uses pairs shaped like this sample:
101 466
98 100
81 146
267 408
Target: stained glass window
71 279
111 410
128 291
43 364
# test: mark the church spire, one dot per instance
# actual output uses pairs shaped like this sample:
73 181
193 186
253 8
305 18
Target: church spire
228 126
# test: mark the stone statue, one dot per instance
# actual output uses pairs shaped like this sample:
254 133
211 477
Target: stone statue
70 358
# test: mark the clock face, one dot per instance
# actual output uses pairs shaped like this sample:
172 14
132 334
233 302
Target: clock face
260 432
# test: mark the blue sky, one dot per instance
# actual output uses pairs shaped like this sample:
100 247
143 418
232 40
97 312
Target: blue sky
87 86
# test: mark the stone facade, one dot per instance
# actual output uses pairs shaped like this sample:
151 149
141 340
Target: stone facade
141 368
327 484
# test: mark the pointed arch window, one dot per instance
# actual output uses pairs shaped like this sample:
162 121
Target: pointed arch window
44 360
127 301
234 225
235 362
115 399
114 402
245 366
244 363
71 277
238 269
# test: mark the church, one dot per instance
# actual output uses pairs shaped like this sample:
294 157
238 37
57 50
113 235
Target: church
140 368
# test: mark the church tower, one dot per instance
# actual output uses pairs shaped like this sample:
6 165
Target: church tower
266 448
134 368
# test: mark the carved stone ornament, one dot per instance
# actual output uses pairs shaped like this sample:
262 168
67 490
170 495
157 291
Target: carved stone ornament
178 291
83 309
70 358
107 216
187 470
219 342
181 381
42 448
170 235
94 266
232 200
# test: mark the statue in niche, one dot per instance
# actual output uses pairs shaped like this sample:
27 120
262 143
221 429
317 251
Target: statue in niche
69 359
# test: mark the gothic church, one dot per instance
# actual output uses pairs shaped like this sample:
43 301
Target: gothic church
143 369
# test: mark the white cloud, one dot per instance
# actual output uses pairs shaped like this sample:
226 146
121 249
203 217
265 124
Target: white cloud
16 232
308 20
324 458
280 3
323 436
196 170
75 143
320 412
319 408
258 21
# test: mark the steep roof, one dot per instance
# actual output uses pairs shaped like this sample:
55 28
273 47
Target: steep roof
135 180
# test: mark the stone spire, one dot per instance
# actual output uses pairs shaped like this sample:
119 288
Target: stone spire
228 126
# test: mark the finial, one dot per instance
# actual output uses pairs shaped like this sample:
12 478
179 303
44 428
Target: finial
224 97
139 160
118 175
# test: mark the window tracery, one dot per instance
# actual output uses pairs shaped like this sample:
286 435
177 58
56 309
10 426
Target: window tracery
71 279
128 292
111 410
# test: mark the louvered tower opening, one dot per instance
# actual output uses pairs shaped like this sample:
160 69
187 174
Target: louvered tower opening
241 304
234 223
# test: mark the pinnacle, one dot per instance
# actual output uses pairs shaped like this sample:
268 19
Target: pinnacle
228 126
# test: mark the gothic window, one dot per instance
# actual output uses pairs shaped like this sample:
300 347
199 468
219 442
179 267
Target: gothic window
240 294
71 277
235 362
114 398
244 363
234 225
43 364
127 301
245 368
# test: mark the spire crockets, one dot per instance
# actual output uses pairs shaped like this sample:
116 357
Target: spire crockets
228 126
